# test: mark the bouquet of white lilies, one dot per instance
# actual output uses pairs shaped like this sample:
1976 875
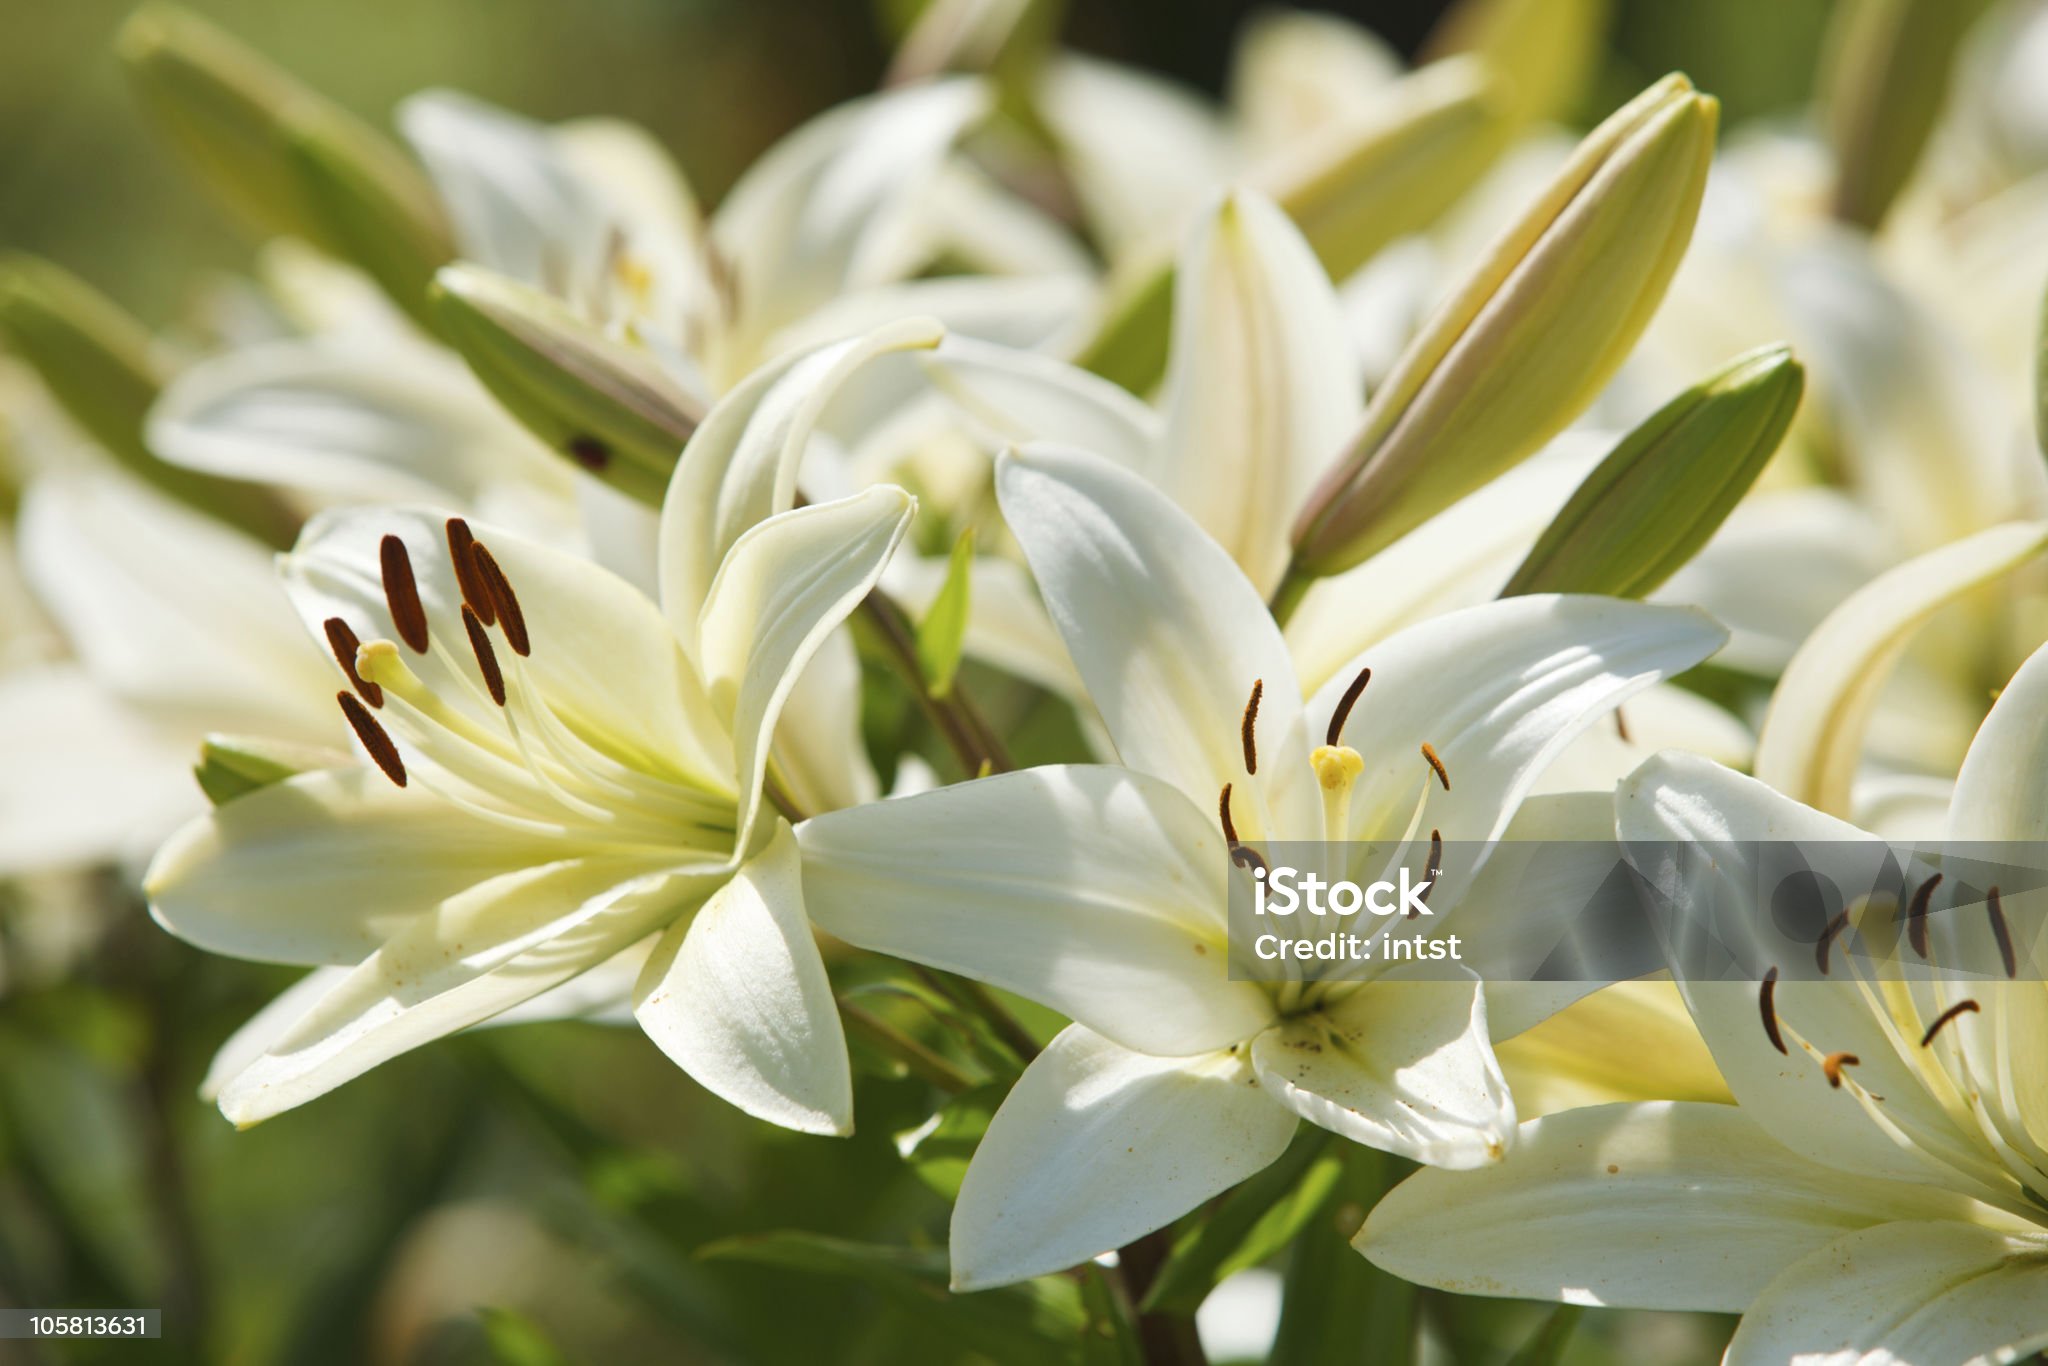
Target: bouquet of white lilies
916 640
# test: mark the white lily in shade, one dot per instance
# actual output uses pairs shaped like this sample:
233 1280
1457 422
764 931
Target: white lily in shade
564 774
1880 1192
1100 891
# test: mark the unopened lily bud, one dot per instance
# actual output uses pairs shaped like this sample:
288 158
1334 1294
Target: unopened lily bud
1362 185
1542 50
99 365
1663 491
232 766
1530 337
285 158
606 406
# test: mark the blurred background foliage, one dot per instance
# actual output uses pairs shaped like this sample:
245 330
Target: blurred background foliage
562 1193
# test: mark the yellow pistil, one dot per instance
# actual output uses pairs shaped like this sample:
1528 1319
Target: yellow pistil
1337 768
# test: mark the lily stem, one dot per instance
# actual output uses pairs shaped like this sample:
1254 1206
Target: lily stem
918 1059
954 716
1294 586
1164 1339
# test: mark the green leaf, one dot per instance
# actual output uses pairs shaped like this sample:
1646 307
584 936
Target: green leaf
1254 1221
98 363
283 157
1033 1322
1111 1338
598 402
1662 492
516 1340
943 631
1546 1347
1339 1309
941 1152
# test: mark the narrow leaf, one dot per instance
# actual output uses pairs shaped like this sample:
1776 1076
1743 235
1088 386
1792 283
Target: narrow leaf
943 631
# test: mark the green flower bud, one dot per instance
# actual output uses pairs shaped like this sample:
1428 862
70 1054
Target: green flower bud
1530 337
99 365
232 766
1541 50
1663 491
285 158
598 401
1351 193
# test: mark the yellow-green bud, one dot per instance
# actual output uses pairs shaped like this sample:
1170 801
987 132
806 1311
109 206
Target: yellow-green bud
598 401
285 158
1351 193
1660 494
1530 337
232 766
99 365
1541 50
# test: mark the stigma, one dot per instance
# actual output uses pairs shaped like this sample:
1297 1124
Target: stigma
1337 768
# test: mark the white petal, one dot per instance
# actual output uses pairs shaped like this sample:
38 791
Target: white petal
1666 1205
1020 397
737 997
265 1027
1629 1041
818 750
1097 891
740 467
484 951
1096 1146
1812 737
1167 632
1006 623
400 423
172 611
1402 1066
1497 691
786 585
1263 387
1659 718
1030 313
1998 791
1297 74
323 867
1950 1293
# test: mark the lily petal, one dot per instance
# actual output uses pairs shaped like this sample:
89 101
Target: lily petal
737 997
1096 1145
1904 1292
1096 891
787 583
1666 1205
1812 737
1399 1065
1264 385
1018 396
1167 632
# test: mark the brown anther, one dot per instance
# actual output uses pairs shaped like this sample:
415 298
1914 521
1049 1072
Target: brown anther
1443 775
1916 915
462 551
510 618
590 453
402 594
486 657
1833 1064
343 642
1244 856
375 741
1223 812
1621 725
2001 933
1767 1002
1959 1008
1433 871
1248 725
1827 940
1335 733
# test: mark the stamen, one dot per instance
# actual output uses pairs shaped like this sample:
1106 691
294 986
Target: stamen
1833 1064
1344 706
1959 1008
1621 725
486 657
1443 775
1827 939
2003 935
343 642
1223 811
1246 727
475 592
500 588
1434 869
402 594
1916 915
1244 856
375 741
1767 1002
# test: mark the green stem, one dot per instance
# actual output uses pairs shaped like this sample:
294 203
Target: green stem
1165 1339
1294 586
954 716
888 1039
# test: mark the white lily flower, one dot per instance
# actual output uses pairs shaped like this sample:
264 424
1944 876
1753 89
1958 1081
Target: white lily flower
569 774
1879 1192
1101 890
